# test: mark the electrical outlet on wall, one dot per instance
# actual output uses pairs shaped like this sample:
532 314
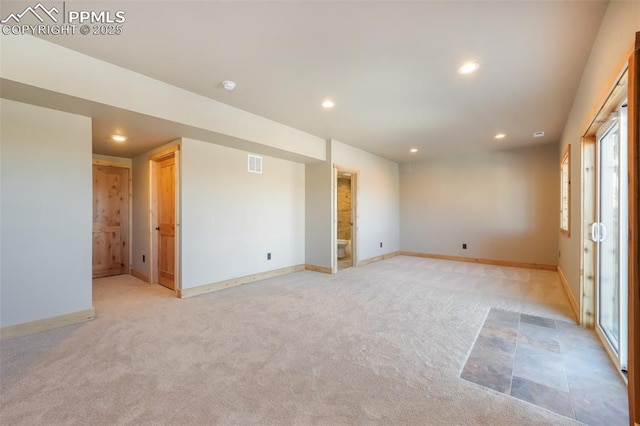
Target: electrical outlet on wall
143 259
464 246
268 256
380 244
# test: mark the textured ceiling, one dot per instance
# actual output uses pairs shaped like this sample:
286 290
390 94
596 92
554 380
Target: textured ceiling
391 67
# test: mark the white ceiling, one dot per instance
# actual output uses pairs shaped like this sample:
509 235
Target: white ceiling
391 67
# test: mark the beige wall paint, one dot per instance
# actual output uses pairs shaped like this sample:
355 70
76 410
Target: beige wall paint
140 234
503 204
377 205
232 218
377 200
611 49
318 183
45 235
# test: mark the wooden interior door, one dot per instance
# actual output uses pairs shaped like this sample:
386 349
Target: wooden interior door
166 222
110 220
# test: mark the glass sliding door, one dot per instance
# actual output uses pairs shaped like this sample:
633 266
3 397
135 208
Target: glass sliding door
607 233
610 233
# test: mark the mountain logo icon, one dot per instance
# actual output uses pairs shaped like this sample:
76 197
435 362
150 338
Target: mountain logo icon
38 11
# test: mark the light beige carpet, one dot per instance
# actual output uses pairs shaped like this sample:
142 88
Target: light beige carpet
381 344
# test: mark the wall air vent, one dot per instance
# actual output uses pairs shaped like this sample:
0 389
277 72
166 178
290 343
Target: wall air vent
255 164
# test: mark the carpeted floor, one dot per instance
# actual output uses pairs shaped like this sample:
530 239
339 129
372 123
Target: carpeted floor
381 344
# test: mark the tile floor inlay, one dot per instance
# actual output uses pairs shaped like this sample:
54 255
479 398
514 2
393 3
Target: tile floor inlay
552 364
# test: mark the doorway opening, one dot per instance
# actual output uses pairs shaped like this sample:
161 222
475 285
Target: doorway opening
111 248
345 218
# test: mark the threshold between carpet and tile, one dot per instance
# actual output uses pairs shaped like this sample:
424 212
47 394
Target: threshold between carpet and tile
550 363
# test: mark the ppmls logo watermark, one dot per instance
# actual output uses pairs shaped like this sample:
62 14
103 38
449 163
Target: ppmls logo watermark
58 19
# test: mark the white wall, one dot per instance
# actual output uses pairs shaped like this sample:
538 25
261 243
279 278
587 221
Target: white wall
232 218
503 204
378 200
140 228
46 213
611 49
318 213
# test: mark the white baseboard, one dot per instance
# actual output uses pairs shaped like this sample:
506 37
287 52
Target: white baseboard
45 324
221 285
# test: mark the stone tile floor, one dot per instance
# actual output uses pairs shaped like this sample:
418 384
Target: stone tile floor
552 364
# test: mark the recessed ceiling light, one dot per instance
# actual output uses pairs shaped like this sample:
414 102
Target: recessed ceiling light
328 104
500 136
229 85
119 138
469 68
538 134
412 150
